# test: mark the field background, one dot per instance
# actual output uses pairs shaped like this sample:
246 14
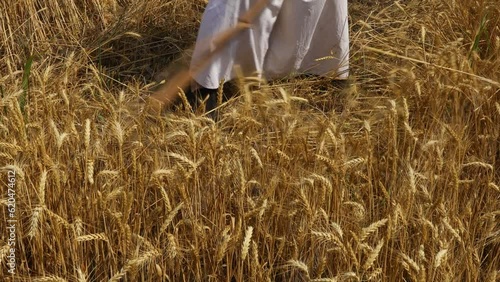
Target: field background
394 178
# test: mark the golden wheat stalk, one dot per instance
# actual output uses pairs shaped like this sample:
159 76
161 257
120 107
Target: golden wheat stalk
92 237
373 255
453 70
222 248
50 278
440 257
170 217
246 242
297 264
133 264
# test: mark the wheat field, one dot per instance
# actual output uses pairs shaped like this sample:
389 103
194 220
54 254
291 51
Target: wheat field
393 178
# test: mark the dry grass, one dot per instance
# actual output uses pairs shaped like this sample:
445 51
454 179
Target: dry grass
395 178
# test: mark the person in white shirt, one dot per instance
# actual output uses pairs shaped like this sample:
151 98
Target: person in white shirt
286 38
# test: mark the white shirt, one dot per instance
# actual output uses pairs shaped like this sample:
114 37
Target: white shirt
287 38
